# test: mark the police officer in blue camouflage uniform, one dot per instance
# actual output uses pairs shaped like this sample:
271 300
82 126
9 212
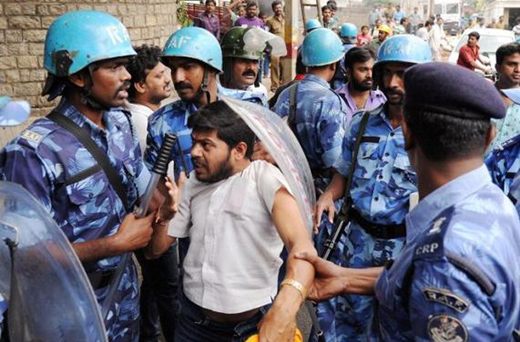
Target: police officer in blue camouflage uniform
12 113
85 56
195 58
504 161
381 184
458 277
319 122
348 34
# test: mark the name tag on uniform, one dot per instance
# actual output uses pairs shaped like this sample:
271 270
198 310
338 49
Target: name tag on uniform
32 136
447 298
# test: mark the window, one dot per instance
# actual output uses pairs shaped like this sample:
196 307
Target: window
452 9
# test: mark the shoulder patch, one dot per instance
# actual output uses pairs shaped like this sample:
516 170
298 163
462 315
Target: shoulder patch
446 297
432 243
31 136
445 328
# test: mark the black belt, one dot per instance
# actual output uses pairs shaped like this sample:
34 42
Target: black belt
100 279
379 231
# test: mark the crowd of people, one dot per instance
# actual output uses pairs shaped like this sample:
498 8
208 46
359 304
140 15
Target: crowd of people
415 160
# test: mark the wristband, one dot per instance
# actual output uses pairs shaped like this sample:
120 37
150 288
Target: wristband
297 285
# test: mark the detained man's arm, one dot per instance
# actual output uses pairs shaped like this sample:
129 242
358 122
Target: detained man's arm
279 324
332 280
161 241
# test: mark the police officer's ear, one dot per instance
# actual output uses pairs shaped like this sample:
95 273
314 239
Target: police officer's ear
490 136
80 79
409 141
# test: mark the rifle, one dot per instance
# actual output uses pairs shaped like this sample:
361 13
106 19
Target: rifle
342 219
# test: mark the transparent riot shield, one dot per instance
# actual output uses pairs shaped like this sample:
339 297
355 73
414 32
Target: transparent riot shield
49 296
283 146
256 39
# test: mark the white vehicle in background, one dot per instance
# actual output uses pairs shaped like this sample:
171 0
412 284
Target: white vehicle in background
451 12
490 40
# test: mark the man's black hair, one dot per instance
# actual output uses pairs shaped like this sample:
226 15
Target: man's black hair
230 128
147 58
403 20
506 51
474 34
428 23
326 7
364 26
358 55
251 4
275 3
444 137
213 1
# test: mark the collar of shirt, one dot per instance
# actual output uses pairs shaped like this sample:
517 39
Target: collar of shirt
139 109
444 197
317 79
375 99
68 110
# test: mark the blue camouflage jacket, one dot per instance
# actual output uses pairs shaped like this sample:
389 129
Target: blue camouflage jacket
173 118
383 178
320 120
53 165
458 276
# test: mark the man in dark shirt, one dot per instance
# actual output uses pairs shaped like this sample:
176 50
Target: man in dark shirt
209 20
469 57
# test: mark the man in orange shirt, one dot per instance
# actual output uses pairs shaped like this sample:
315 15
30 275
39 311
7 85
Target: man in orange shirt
469 57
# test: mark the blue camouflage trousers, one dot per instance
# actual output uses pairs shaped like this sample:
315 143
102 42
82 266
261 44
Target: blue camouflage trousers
326 311
122 321
354 312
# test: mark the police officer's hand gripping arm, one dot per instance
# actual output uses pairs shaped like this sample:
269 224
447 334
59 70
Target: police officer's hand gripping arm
332 280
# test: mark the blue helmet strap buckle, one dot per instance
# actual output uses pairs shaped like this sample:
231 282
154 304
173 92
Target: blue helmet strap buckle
63 62
204 86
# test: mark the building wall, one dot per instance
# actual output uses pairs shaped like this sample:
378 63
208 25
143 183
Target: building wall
23 26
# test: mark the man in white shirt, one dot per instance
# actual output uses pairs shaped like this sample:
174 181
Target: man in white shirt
151 84
238 214
424 32
436 35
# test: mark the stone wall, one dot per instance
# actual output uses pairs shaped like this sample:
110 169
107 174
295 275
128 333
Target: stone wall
23 25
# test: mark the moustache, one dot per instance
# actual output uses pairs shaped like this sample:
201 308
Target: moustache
249 73
182 85
125 86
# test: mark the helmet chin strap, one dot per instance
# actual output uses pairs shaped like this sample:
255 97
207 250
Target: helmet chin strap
204 88
88 98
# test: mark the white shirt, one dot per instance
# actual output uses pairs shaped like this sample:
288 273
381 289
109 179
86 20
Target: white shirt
140 114
233 259
435 37
423 34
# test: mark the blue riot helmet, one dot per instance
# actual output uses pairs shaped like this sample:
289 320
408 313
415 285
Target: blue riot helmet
312 24
321 47
198 44
195 43
348 30
77 39
404 48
